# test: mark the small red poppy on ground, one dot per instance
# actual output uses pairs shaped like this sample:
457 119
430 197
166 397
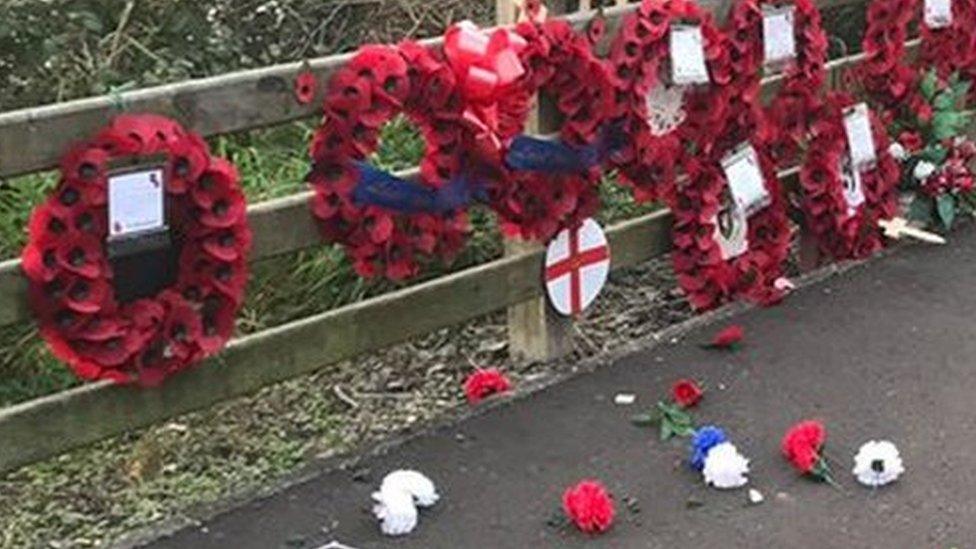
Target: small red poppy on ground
686 393
305 84
729 337
589 506
485 382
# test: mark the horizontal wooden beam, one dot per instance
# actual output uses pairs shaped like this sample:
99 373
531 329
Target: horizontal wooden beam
34 139
53 424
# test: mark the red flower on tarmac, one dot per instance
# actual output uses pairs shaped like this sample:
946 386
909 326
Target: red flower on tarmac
686 393
802 446
589 506
728 337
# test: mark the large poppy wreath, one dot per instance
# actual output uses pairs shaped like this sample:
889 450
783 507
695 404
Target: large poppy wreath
639 57
886 73
536 204
708 275
378 83
792 109
845 230
71 278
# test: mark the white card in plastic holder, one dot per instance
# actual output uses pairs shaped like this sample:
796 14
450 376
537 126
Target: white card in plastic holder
853 189
779 35
135 202
745 178
731 231
938 14
687 55
860 140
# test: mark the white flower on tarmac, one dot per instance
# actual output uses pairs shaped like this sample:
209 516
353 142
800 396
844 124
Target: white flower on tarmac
414 483
923 170
725 467
897 151
396 511
878 463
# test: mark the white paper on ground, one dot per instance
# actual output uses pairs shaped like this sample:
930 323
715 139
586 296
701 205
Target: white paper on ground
860 141
687 55
779 35
135 202
744 175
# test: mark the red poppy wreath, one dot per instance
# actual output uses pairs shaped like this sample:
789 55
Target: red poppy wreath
731 236
421 221
842 207
639 57
947 46
791 112
71 279
543 186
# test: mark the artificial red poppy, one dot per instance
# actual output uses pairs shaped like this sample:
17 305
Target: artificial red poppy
589 506
686 393
728 337
484 382
305 86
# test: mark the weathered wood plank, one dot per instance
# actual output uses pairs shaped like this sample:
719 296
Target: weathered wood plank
50 425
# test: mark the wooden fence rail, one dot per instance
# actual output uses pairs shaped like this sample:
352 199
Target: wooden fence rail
34 139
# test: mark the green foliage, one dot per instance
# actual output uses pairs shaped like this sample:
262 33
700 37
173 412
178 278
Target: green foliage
671 419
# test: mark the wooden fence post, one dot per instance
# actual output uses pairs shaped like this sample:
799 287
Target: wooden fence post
535 331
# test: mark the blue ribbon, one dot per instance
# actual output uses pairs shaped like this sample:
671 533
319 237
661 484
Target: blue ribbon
379 188
533 154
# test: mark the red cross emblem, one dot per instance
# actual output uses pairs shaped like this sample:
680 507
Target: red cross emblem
580 256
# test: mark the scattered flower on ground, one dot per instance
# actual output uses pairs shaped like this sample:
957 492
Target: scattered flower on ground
484 382
725 467
878 463
589 506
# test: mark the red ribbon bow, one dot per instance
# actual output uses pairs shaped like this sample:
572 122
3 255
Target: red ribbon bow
485 65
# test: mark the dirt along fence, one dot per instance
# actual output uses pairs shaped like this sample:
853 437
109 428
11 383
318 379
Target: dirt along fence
34 139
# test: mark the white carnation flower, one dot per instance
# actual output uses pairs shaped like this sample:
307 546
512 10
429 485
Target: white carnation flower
923 170
414 483
725 467
877 463
396 511
897 151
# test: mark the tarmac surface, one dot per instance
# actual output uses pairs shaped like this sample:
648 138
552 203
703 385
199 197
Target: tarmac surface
886 350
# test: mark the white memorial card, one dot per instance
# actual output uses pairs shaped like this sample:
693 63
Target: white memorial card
779 36
853 190
731 231
860 140
938 14
687 55
745 178
135 202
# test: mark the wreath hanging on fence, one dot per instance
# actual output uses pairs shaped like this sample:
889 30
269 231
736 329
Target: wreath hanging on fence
886 73
646 160
705 212
538 187
388 226
71 279
847 228
791 112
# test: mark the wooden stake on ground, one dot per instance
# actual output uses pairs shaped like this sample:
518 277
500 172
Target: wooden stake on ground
899 227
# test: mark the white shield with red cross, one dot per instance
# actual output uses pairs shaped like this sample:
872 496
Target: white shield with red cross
577 263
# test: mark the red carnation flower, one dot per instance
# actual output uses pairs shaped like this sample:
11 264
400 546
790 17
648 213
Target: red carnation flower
485 382
728 337
305 85
686 393
589 506
802 446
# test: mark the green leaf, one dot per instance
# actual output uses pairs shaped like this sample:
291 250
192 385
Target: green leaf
666 431
929 85
935 154
946 204
947 124
921 210
945 101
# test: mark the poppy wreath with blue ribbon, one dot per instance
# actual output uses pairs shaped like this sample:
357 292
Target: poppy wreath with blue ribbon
843 232
70 277
639 57
389 226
